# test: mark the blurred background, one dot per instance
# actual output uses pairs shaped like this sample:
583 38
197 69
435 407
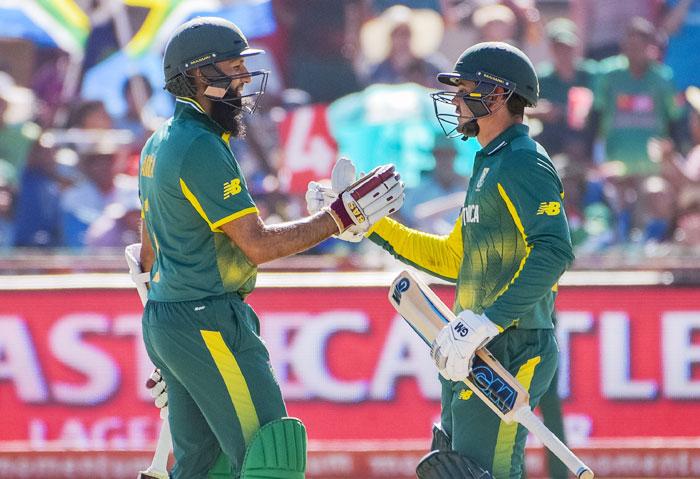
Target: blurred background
81 91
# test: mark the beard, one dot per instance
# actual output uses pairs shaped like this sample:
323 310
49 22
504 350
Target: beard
469 129
229 115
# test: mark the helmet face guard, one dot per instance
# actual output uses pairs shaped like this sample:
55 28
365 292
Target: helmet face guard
218 87
479 100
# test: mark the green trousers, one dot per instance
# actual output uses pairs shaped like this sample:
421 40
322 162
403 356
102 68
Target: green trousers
477 432
221 388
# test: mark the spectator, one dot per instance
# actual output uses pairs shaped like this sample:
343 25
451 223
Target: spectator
18 134
496 23
319 57
85 201
565 93
402 43
590 218
7 198
681 23
37 214
434 204
137 91
683 174
599 23
634 101
120 222
380 5
90 115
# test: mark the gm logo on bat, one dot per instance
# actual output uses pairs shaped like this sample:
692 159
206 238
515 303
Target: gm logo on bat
400 287
491 384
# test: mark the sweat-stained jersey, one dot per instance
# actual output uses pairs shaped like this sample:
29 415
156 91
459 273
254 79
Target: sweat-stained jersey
190 184
511 242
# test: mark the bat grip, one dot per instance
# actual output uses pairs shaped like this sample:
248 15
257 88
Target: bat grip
527 418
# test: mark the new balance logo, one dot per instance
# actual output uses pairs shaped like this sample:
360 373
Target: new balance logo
551 208
470 214
231 188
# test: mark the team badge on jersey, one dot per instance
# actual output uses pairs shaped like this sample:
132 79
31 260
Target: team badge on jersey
232 187
482 178
549 208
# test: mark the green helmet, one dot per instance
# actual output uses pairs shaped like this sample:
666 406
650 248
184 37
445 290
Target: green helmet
500 64
203 41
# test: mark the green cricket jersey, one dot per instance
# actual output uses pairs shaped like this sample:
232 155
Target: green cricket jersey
511 242
632 110
190 184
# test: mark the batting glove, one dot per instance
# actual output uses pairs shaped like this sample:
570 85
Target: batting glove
159 392
372 197
454 347
319 196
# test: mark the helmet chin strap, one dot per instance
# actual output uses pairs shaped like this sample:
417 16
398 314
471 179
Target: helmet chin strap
469 129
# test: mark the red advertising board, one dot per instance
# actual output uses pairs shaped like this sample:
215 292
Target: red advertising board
72 364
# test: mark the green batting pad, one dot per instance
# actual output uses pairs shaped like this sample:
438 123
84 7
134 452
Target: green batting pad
277 451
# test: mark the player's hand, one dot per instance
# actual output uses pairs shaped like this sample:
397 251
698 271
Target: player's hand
319 196
159 392
454 347
372 197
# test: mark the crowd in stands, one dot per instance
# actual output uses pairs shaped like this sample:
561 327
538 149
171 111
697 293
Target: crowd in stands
619 115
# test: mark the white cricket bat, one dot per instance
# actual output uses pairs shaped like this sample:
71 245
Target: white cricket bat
489 380
159 465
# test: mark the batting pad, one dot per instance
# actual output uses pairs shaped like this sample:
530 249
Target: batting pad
443 464
277 451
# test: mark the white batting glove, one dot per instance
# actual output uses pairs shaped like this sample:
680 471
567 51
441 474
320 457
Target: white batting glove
319 196
454 347
159 392
372 197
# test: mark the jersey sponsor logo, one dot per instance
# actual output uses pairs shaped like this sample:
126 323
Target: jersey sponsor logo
480 183
147 166
470 214
232 188
549 208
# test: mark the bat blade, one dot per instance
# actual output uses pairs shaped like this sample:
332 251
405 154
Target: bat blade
425 312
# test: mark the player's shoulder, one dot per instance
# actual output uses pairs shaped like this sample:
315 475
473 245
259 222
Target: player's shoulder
199 146
527 157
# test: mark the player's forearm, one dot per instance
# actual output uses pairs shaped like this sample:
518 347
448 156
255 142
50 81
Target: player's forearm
439 256
284 239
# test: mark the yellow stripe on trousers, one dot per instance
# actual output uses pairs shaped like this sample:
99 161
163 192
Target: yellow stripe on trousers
506 432
235 382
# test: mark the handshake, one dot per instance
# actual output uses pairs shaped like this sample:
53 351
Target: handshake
356 205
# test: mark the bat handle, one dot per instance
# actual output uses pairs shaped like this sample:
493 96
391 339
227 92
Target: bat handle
527 418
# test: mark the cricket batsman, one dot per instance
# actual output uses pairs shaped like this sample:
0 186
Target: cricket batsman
202 240
506 252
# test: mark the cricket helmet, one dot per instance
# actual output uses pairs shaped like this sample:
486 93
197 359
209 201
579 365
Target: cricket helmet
201 43
491 65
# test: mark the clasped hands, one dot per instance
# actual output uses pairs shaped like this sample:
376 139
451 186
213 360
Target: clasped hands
356 205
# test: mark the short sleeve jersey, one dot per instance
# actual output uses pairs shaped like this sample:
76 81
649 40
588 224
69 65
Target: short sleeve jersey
190 185
632 110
